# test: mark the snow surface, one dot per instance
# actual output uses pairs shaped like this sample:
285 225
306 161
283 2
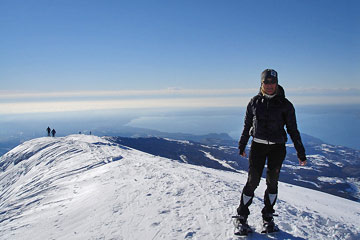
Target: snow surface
85 187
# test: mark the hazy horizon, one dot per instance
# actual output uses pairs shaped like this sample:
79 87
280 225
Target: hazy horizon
334 124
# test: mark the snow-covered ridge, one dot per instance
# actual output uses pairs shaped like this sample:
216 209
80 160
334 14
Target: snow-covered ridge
178 141
53 148
222 162
86 187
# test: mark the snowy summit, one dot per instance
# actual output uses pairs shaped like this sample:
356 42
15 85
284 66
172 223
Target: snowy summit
87 187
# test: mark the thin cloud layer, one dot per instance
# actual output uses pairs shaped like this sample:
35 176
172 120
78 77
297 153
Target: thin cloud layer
126 93
32 102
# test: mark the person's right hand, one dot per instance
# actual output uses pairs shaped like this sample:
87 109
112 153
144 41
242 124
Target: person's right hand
243 154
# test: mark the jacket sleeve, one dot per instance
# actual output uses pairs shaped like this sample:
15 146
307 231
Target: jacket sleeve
247 125
291 126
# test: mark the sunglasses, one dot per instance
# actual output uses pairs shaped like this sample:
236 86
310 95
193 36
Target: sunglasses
270 81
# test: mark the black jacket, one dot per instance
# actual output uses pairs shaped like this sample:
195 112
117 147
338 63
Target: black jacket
265 119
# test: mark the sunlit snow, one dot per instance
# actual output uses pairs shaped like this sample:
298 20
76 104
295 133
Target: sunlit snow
85 187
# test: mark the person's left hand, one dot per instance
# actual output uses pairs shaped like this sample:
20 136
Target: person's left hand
302 163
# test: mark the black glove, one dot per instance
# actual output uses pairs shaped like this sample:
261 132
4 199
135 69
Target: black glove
301 157
241 149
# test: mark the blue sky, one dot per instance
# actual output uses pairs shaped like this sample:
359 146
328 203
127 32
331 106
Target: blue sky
89 46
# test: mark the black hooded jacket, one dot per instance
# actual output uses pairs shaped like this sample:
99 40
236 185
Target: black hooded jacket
265 119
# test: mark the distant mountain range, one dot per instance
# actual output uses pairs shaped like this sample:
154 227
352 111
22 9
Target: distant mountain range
9 142
331 169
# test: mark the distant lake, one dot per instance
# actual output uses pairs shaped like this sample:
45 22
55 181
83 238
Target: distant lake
339 125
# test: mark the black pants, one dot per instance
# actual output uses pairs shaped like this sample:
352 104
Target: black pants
275 155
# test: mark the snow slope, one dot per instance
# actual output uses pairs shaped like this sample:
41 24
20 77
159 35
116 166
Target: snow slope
86 187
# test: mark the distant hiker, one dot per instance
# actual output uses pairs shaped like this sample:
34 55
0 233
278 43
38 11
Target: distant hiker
266 115
90 132
53 132
48 131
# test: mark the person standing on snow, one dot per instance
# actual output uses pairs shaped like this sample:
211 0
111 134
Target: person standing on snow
266 115
53 132
48 131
